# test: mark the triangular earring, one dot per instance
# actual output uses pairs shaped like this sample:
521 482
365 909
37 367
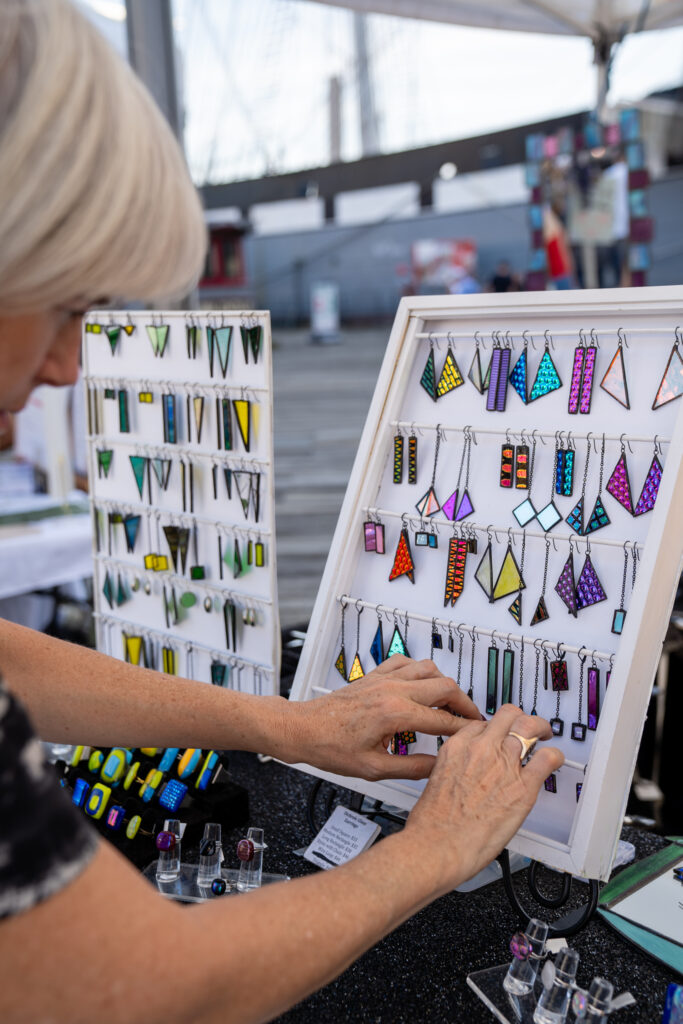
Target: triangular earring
565 585
223 337
648 495
541 613
518 376
451 377
428 378
619 485
614 382
340 660
598 518
509 578
589 588
113 334
131 525
547 377
475 374
377 645
671 385
398 645
139 465
575 517
171 533
484 572
357 671
449 506
403 560
243 416
104 458
428 505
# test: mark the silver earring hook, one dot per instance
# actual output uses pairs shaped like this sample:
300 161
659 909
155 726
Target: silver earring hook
621 336
548 339
623 445
594 337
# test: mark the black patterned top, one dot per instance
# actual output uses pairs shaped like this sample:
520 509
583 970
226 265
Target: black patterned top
44 841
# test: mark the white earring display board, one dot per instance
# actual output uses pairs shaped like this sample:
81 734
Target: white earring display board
180 454
575 823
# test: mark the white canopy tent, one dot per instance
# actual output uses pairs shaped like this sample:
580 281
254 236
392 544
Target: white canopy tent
604 22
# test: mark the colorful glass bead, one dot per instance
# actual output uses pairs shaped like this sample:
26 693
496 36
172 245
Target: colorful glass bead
520 947
245 850
218 886
165 841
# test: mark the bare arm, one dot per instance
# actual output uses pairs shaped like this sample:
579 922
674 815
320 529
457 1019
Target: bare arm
126 954
76 695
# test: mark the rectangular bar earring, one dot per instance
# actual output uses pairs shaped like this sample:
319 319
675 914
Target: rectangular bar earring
492 681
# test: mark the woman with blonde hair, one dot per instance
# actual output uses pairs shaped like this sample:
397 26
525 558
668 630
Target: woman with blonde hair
96 201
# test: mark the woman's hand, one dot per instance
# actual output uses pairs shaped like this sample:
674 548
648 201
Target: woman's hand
479 793
348 731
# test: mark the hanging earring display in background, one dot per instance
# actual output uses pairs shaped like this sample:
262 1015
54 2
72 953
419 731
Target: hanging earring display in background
428 378
578 728
620 613
398 643
475 374
484 572
619 485
525 511
566 587
593 696
180 514
509 578
575 517
541 613
455 570
377 645
564 470
519 374
599 517
492 680
589 588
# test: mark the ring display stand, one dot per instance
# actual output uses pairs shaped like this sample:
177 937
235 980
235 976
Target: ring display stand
186 889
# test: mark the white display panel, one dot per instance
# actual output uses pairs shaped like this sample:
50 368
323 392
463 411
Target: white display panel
195 464
577 835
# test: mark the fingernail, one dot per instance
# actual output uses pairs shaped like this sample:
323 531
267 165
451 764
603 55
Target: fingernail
484 718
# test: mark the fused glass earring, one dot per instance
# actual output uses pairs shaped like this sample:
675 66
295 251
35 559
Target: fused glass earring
506 676
455 569
599 517
589 590
104 460
398 458
614 382
398 643
515 608
464 507
169 418
578 728
436 640
518 377
492 679
450 377
473 647
412 458
124 421
541 613
356 667
484 571
428 378
403 559
475 374
549 516
575 517
242 409
648 495
564 469
507 461
377 645
619 616
619 484
428 505
192 334
565 586
671 384
547 377
593 696
498 380
583 370
526 511
340 661
509 578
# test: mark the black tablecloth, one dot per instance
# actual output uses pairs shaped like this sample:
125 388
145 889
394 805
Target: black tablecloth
418 972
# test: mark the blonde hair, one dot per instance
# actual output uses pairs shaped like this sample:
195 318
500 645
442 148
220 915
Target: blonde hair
95 199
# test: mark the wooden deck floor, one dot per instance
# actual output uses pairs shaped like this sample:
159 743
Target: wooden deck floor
322 395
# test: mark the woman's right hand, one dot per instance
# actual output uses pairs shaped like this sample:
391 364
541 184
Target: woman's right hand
478 794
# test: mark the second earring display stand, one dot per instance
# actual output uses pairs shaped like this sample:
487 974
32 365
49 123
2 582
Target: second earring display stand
511 514
181 452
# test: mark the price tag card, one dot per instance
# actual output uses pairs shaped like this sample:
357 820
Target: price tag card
344 835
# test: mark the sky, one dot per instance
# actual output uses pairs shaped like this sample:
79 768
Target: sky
255 80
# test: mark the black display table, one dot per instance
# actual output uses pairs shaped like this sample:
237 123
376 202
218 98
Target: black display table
418 972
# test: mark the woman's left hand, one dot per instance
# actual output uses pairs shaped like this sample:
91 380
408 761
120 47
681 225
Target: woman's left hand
347 732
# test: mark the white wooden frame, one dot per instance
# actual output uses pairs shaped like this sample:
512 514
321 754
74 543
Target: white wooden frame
649 317
200 637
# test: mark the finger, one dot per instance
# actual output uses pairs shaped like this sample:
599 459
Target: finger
433 721
410 669
510 718
412 766
440 691
392 664
545 761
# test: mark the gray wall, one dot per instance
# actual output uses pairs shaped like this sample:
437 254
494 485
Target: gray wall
365 261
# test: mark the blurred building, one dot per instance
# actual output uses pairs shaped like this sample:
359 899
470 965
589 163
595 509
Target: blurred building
357 223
